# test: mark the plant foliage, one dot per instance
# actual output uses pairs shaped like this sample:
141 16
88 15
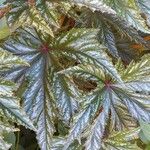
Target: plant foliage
76 72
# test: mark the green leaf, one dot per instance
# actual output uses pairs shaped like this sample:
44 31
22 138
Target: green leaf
95 5
10 138
59 142
65 62
122 140
145 129
145 7
6 87
130 11
126 107
107 13
98 128
66 99
44 59
5 128
2 1
105 34
147 147
33 18
143 138
52 11
9 104
137 70
26 16
109 39
9 107
4 29
82 121
40 100
89 51
8 61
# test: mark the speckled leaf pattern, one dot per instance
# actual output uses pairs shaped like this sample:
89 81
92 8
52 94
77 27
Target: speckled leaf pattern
78 70
34 18
9 105
38 98
95 5
10 109
66 95
8 61
22 14
111 15
94 140
82 121
109 39
121 140
121 100
131 14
